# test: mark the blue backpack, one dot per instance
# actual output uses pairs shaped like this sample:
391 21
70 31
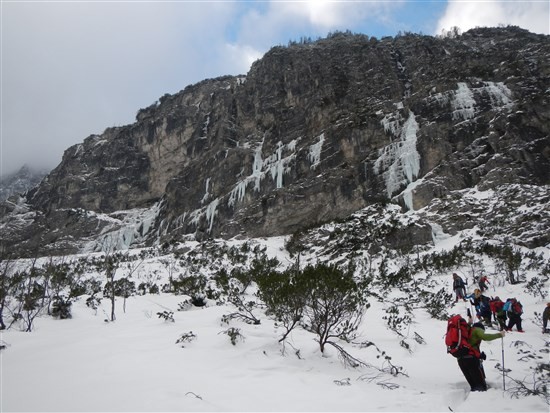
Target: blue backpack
513 306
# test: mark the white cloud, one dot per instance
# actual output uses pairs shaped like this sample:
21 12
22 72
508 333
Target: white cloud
321 14
73 69
241 57
328 14
531 15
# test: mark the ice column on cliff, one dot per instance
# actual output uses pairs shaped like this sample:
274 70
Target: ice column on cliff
314 154
277 164
399 162
463 103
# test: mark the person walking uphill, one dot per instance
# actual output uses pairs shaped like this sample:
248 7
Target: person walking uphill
482 305
471 365
545 318
483 281
459 287
497 308
514 310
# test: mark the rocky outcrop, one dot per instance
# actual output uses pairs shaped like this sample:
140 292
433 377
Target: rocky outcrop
21 181
314 132
512 213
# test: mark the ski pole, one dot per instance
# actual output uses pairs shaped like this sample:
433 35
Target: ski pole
503 380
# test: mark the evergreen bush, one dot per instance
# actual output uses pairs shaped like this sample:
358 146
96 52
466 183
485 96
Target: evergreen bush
335 303
61 307
168 316
234 334
186 338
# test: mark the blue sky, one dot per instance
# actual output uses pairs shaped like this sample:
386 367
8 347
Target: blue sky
74 68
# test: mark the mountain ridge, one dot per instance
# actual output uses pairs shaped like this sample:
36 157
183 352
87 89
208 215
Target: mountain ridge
314 132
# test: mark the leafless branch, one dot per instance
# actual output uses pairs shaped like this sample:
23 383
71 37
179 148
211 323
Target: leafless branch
196 395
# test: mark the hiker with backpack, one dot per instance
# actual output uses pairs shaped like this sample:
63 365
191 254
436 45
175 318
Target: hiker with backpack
482 306
497 308
463 342
475 298
483 281
514 310
485 313
459 287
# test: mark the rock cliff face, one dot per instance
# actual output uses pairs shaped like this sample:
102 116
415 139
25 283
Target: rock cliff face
314 132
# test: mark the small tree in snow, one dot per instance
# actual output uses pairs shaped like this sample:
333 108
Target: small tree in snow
537 287
335 303
284 299
6 285
123 287
235 293
110 266
234 334
171 266
29 296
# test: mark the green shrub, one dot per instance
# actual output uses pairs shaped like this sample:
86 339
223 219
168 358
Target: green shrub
61 307
283 298
234 334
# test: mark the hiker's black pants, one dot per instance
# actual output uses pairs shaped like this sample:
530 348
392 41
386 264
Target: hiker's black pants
473 371
501 322
515 320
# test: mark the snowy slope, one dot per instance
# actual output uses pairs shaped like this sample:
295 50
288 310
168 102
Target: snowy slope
134 364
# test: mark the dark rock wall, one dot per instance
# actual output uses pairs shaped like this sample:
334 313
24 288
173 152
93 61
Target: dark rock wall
319 130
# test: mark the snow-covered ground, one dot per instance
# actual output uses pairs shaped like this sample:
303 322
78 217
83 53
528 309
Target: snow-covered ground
134 364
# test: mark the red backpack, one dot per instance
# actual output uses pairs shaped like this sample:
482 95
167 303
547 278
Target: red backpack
517 308
513 306
496 305
456 339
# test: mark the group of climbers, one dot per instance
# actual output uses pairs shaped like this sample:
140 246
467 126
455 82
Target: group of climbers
469 356
459 286
489 308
